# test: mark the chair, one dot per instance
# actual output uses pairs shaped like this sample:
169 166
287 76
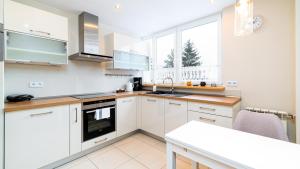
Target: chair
268 125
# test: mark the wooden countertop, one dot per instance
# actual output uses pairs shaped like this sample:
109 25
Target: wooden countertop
41 103
182 86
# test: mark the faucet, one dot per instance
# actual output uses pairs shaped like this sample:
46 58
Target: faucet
172 88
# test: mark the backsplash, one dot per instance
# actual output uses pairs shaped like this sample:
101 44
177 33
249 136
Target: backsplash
75 78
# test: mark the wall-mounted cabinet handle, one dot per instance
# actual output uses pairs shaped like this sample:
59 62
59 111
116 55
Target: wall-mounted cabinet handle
151 100
206 108
41 32
176 104
76 115
206 119
96 142
41 114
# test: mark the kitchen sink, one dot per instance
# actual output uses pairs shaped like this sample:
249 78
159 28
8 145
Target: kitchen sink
168 94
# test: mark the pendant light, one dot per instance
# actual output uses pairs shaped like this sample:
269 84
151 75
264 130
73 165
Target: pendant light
243 22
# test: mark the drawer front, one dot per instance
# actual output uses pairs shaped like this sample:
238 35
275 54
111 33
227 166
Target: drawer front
211 119
210 109
98 141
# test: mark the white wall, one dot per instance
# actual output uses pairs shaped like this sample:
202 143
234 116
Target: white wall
75 78
263 63
298 68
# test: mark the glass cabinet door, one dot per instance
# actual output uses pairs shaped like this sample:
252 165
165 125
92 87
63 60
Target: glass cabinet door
24 48
130 61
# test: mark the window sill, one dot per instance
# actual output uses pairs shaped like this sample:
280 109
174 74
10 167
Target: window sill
181 86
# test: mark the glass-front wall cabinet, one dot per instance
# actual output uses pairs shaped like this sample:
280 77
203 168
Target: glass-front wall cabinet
130 61
24 48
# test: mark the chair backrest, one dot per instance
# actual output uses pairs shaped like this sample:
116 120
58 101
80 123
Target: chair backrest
268 125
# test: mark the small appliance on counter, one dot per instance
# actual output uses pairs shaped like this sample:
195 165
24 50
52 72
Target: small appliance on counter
137 84
129 87
19 97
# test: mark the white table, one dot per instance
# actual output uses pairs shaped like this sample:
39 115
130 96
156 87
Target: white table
223 148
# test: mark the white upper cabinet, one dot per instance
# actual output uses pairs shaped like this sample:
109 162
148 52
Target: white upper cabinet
75 128
129 53
37 137
126 115
124 43
26 19
175 114
153 116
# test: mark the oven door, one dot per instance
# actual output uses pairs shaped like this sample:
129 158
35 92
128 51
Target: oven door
98 122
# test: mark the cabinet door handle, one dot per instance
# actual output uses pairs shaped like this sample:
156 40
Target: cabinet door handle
76 115
96 142
176 104
206 108
151 100
206 119
41 114
41 32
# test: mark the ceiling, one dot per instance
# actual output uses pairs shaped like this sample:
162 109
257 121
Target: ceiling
142 17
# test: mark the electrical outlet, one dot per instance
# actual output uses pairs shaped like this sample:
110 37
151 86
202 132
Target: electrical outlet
36 84
232 83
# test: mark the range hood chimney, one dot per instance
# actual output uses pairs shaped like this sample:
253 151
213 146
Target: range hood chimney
89 40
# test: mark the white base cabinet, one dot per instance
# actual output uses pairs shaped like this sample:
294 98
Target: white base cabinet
153 116
75 128
126 115
175 114
213 114
35 138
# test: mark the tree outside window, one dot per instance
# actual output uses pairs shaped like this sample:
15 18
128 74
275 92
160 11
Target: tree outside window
190 55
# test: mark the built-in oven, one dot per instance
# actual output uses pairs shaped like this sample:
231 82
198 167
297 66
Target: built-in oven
98 118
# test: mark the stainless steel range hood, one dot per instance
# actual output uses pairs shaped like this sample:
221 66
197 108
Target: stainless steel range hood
89 40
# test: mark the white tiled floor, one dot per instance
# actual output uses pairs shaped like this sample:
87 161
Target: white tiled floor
136 152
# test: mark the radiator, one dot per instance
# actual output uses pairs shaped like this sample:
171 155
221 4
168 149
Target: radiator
284 116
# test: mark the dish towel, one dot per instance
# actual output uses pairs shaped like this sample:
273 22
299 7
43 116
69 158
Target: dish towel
268 125
98 114
105 113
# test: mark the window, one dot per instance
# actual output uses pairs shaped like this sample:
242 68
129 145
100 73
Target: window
189 52
165 57
200 53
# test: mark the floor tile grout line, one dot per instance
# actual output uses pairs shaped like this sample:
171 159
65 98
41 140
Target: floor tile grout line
141 163
92 163
125 152
124 162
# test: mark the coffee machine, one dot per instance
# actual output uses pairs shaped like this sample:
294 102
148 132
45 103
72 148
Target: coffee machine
137 84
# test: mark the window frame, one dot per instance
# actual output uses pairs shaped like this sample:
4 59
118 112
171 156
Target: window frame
177 30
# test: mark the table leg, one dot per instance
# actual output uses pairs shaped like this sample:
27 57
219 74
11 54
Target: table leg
194 165
171 157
